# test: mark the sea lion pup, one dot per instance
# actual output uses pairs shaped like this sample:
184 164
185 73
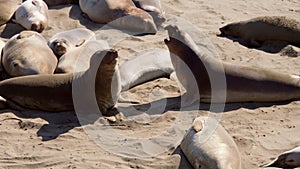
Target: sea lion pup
32 15
260 29
60 2
8 8
65 41
207 145
119 13
240 83
144 67
27 53
288 159
154 8
53 93
78 59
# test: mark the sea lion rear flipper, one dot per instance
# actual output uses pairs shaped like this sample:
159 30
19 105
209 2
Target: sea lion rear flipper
197 125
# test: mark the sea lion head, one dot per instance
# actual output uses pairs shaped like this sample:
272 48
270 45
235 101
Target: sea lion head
107 83
176 42
21 67
286 160
33 15
59 46
232 29
38 27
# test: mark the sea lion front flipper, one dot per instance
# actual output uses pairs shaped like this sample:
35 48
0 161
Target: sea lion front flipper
3 103
79 43
253 43
7 104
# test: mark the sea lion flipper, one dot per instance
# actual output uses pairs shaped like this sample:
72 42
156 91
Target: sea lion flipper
3 103
197 125
253 43
79 43
14 20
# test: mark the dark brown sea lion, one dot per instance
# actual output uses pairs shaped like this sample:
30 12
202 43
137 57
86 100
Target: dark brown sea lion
239 83
265 28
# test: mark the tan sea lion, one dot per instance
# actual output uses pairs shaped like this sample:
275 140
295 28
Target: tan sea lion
32 15
2 44
54 92
260 29
239 83
288 159
119 13
2 72
78 59
154 8
65 41
207 145
145 66
27 53
8 8
60 2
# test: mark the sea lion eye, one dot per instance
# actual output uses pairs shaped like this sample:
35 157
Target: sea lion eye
15 64
33 3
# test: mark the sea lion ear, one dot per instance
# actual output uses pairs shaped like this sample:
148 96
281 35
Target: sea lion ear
197 125
79 43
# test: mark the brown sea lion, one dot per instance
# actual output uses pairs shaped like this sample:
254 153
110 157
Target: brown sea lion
27 53
54 92
260 29
8 8
119 13
207 145
221 82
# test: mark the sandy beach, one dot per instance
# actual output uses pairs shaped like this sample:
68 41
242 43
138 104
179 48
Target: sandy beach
35 139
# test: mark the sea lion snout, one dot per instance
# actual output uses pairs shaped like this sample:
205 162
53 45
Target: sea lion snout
224 30
110 57
38 27
60 47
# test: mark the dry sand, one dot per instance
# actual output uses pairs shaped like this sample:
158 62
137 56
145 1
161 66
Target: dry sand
33 139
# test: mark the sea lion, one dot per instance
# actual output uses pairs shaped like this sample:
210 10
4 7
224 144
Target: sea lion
144 67
154 8
64 41
260 29
119 13
53 93
72 62
2 72
60 2
27 53
2 44
288 159
8 8
240 83
208 145
32 15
